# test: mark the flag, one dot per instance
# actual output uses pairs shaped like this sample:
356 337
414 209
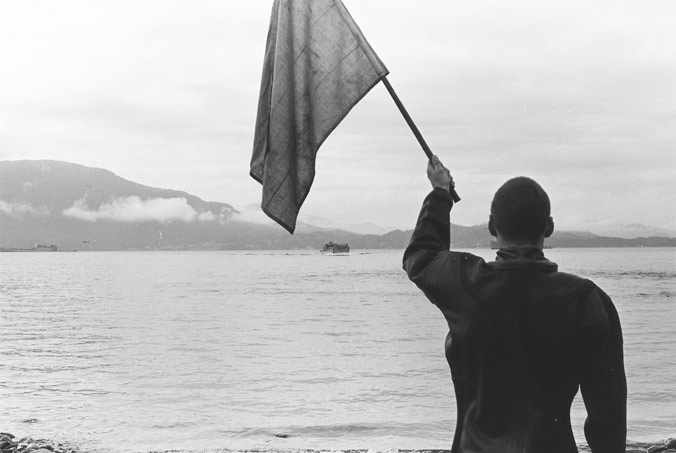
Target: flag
317 66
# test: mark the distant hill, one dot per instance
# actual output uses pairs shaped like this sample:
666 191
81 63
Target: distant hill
634 230
81 208
77 207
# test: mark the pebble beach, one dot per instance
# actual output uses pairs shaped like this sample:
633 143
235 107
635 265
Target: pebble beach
10 443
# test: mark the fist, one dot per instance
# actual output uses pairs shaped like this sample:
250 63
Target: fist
439 175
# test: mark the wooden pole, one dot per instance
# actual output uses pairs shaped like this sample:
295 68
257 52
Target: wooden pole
415 130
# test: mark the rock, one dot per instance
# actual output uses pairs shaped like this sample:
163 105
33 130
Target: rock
671 443
656 448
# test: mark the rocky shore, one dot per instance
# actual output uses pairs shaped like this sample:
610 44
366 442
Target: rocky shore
668 445
10 444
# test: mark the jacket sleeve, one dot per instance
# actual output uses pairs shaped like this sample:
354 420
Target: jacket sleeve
430 236
603 382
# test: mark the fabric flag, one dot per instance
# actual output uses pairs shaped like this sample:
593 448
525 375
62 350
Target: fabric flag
317 66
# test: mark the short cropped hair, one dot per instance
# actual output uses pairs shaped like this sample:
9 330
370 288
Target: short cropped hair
520 209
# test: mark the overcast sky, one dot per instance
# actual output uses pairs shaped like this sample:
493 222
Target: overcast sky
579 95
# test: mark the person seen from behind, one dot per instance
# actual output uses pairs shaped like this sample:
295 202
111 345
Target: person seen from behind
523 337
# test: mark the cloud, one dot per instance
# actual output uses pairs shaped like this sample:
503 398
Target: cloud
253 214
20 209
210 216
133 209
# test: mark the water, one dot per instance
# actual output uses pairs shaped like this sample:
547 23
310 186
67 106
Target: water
134 351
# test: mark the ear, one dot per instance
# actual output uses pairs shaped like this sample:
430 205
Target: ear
491 226
549 229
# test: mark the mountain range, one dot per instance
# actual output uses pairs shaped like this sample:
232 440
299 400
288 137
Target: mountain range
81 208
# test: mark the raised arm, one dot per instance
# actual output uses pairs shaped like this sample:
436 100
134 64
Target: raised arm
432 231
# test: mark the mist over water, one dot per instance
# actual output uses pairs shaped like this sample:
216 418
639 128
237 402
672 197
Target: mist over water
140 351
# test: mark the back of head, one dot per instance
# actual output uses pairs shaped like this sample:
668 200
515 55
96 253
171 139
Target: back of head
520 209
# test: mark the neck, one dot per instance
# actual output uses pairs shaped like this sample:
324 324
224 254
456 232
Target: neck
505 243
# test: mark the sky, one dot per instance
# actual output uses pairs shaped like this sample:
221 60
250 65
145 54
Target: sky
580 96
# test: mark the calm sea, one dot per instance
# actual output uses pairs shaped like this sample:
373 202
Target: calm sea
127 351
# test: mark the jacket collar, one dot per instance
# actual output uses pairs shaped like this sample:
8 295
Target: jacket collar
522 258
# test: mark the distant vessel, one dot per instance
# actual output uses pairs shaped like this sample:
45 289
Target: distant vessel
37 248
333 248
494 246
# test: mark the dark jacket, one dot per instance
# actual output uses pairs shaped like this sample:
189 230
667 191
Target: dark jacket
522 339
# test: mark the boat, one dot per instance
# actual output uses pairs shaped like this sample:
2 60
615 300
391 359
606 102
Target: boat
333 248
494 246
37 248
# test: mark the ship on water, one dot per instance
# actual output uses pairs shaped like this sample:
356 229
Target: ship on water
36 248
333 248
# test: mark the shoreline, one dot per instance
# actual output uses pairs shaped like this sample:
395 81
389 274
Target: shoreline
11 444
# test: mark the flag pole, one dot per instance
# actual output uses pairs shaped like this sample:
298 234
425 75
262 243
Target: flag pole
415 130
